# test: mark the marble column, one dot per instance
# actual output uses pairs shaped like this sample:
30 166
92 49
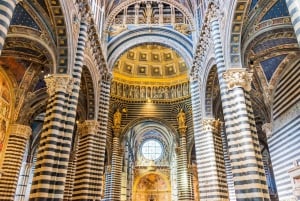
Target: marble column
13 160
210 162
183 178
294 9
7 8
244 150
87 185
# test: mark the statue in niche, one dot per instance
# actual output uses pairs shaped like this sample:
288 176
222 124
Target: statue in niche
130 95
179 94
137 92
185 89
143 92
117 118
181 119
166 93
155 92
160 92
120 91
125 91
149 92
173 92
113 88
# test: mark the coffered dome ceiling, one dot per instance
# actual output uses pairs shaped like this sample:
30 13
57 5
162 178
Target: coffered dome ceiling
151 63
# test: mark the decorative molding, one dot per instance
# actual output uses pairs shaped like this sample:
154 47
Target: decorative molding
238 77
59 82
21 130
88 127
211 124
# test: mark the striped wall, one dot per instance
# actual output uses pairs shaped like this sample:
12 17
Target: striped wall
294 9
284 144
242 138
69 185
7 8
12 163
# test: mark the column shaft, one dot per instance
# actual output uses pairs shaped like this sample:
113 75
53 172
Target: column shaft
244 151
211 172
116 171
294 9
13 159
183 180
55 145
7 8
88 175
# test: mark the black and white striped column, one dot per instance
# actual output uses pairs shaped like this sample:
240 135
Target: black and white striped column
211 173
55 146
244 151
116 169
183 178
7 8
13 160
88 176
294 9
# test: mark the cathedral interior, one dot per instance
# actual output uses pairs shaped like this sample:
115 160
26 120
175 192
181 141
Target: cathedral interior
150 100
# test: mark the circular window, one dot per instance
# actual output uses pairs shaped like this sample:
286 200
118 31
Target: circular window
152 149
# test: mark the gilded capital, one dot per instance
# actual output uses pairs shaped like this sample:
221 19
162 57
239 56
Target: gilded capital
21 130
88 127
57 82
211 124
238 77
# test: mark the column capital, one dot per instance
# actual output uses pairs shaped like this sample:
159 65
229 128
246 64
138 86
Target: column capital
21 130
59 82
213 13
267 129
211 124
88 127
238 77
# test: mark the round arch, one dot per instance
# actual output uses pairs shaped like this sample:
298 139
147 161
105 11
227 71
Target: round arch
160 35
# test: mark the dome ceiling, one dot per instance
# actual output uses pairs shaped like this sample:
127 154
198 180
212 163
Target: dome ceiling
152 63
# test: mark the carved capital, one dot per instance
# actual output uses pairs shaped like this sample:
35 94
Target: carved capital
21 130
57 82
238 77
213 13
117 131
88 127
211 124
182 131
267 129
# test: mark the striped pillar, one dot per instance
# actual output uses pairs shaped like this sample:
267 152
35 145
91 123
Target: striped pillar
294 9
183 180
55 145
116 168
55 142
243 145
13 159
228 169
69 185
211 173
87 185
7 8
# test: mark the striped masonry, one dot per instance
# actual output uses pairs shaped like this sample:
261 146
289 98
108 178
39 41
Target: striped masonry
284 142
7 8
294 10
228 169
69 185
211 173
87 184
55 145
183 178
284 150
244 152
12 163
